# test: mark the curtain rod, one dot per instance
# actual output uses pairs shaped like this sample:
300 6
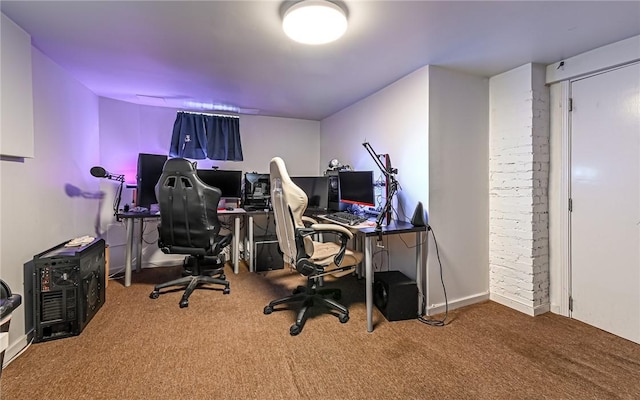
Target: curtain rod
214 115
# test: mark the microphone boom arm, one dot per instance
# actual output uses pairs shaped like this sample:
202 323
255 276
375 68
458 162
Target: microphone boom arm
100 172
389 174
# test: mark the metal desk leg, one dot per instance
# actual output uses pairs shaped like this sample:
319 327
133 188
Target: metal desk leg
139 249
368 264
236 245
359 245
128 252
420 269
252 267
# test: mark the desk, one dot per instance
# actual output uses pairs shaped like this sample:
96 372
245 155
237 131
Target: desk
370 236
249 243
237 213
130 217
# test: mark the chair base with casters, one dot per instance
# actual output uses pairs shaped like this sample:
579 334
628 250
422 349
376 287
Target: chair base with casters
310 296
198 275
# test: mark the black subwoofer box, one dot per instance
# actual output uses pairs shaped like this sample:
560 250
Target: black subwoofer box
395 295
268 255
65 287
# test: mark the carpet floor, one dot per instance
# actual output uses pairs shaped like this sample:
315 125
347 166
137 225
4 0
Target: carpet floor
224 347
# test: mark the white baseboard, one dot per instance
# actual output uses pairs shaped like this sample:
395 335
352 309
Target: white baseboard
4 341
541 309
457 303
165 262
14 349
519 306
169 261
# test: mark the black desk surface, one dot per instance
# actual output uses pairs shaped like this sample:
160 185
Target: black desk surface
393 228
147 214
130 214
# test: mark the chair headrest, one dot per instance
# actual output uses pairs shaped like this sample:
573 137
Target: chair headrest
277 169
179 165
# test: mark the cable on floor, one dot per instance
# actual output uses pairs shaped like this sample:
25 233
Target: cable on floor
421 318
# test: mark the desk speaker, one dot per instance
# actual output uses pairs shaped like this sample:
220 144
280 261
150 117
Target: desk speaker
395 295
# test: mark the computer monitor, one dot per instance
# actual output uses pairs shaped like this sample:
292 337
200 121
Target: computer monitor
148 174
356 187
316 189
257 191
229 182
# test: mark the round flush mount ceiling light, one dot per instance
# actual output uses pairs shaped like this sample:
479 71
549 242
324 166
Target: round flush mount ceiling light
314 22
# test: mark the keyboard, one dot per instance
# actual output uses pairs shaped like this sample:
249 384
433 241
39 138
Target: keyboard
345 218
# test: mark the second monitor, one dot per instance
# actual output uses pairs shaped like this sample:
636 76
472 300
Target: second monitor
148 173
229 182
316 189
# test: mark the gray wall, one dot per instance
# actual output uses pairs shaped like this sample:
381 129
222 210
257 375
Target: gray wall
434 125
46 200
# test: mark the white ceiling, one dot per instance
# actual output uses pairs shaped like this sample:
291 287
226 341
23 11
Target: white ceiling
235 53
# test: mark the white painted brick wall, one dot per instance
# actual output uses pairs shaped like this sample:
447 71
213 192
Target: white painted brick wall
518 187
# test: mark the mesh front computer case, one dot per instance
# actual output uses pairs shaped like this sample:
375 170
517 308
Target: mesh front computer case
66 286
257 191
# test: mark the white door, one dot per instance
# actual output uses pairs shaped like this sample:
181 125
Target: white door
605 193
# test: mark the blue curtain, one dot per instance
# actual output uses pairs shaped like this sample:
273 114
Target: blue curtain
189 138
200 136
223 138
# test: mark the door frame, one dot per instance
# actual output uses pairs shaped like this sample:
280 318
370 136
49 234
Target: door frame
564 252
565 194
559 74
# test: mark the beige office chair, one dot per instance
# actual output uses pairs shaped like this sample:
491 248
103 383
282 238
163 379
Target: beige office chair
310 258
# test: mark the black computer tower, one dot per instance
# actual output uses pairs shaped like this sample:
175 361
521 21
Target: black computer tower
334 191
66 286
395 295
256 191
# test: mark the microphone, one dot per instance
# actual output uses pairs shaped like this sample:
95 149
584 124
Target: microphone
99 172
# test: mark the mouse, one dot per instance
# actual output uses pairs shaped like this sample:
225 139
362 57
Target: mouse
229 208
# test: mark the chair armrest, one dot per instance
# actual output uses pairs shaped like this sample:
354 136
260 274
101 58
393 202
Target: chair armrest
335 228
343 233
308 220
219 242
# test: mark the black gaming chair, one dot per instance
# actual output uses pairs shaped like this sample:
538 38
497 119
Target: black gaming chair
189 225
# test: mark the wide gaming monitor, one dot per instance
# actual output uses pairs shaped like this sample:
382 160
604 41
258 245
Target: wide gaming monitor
229 182
148 174
356 187
316 189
